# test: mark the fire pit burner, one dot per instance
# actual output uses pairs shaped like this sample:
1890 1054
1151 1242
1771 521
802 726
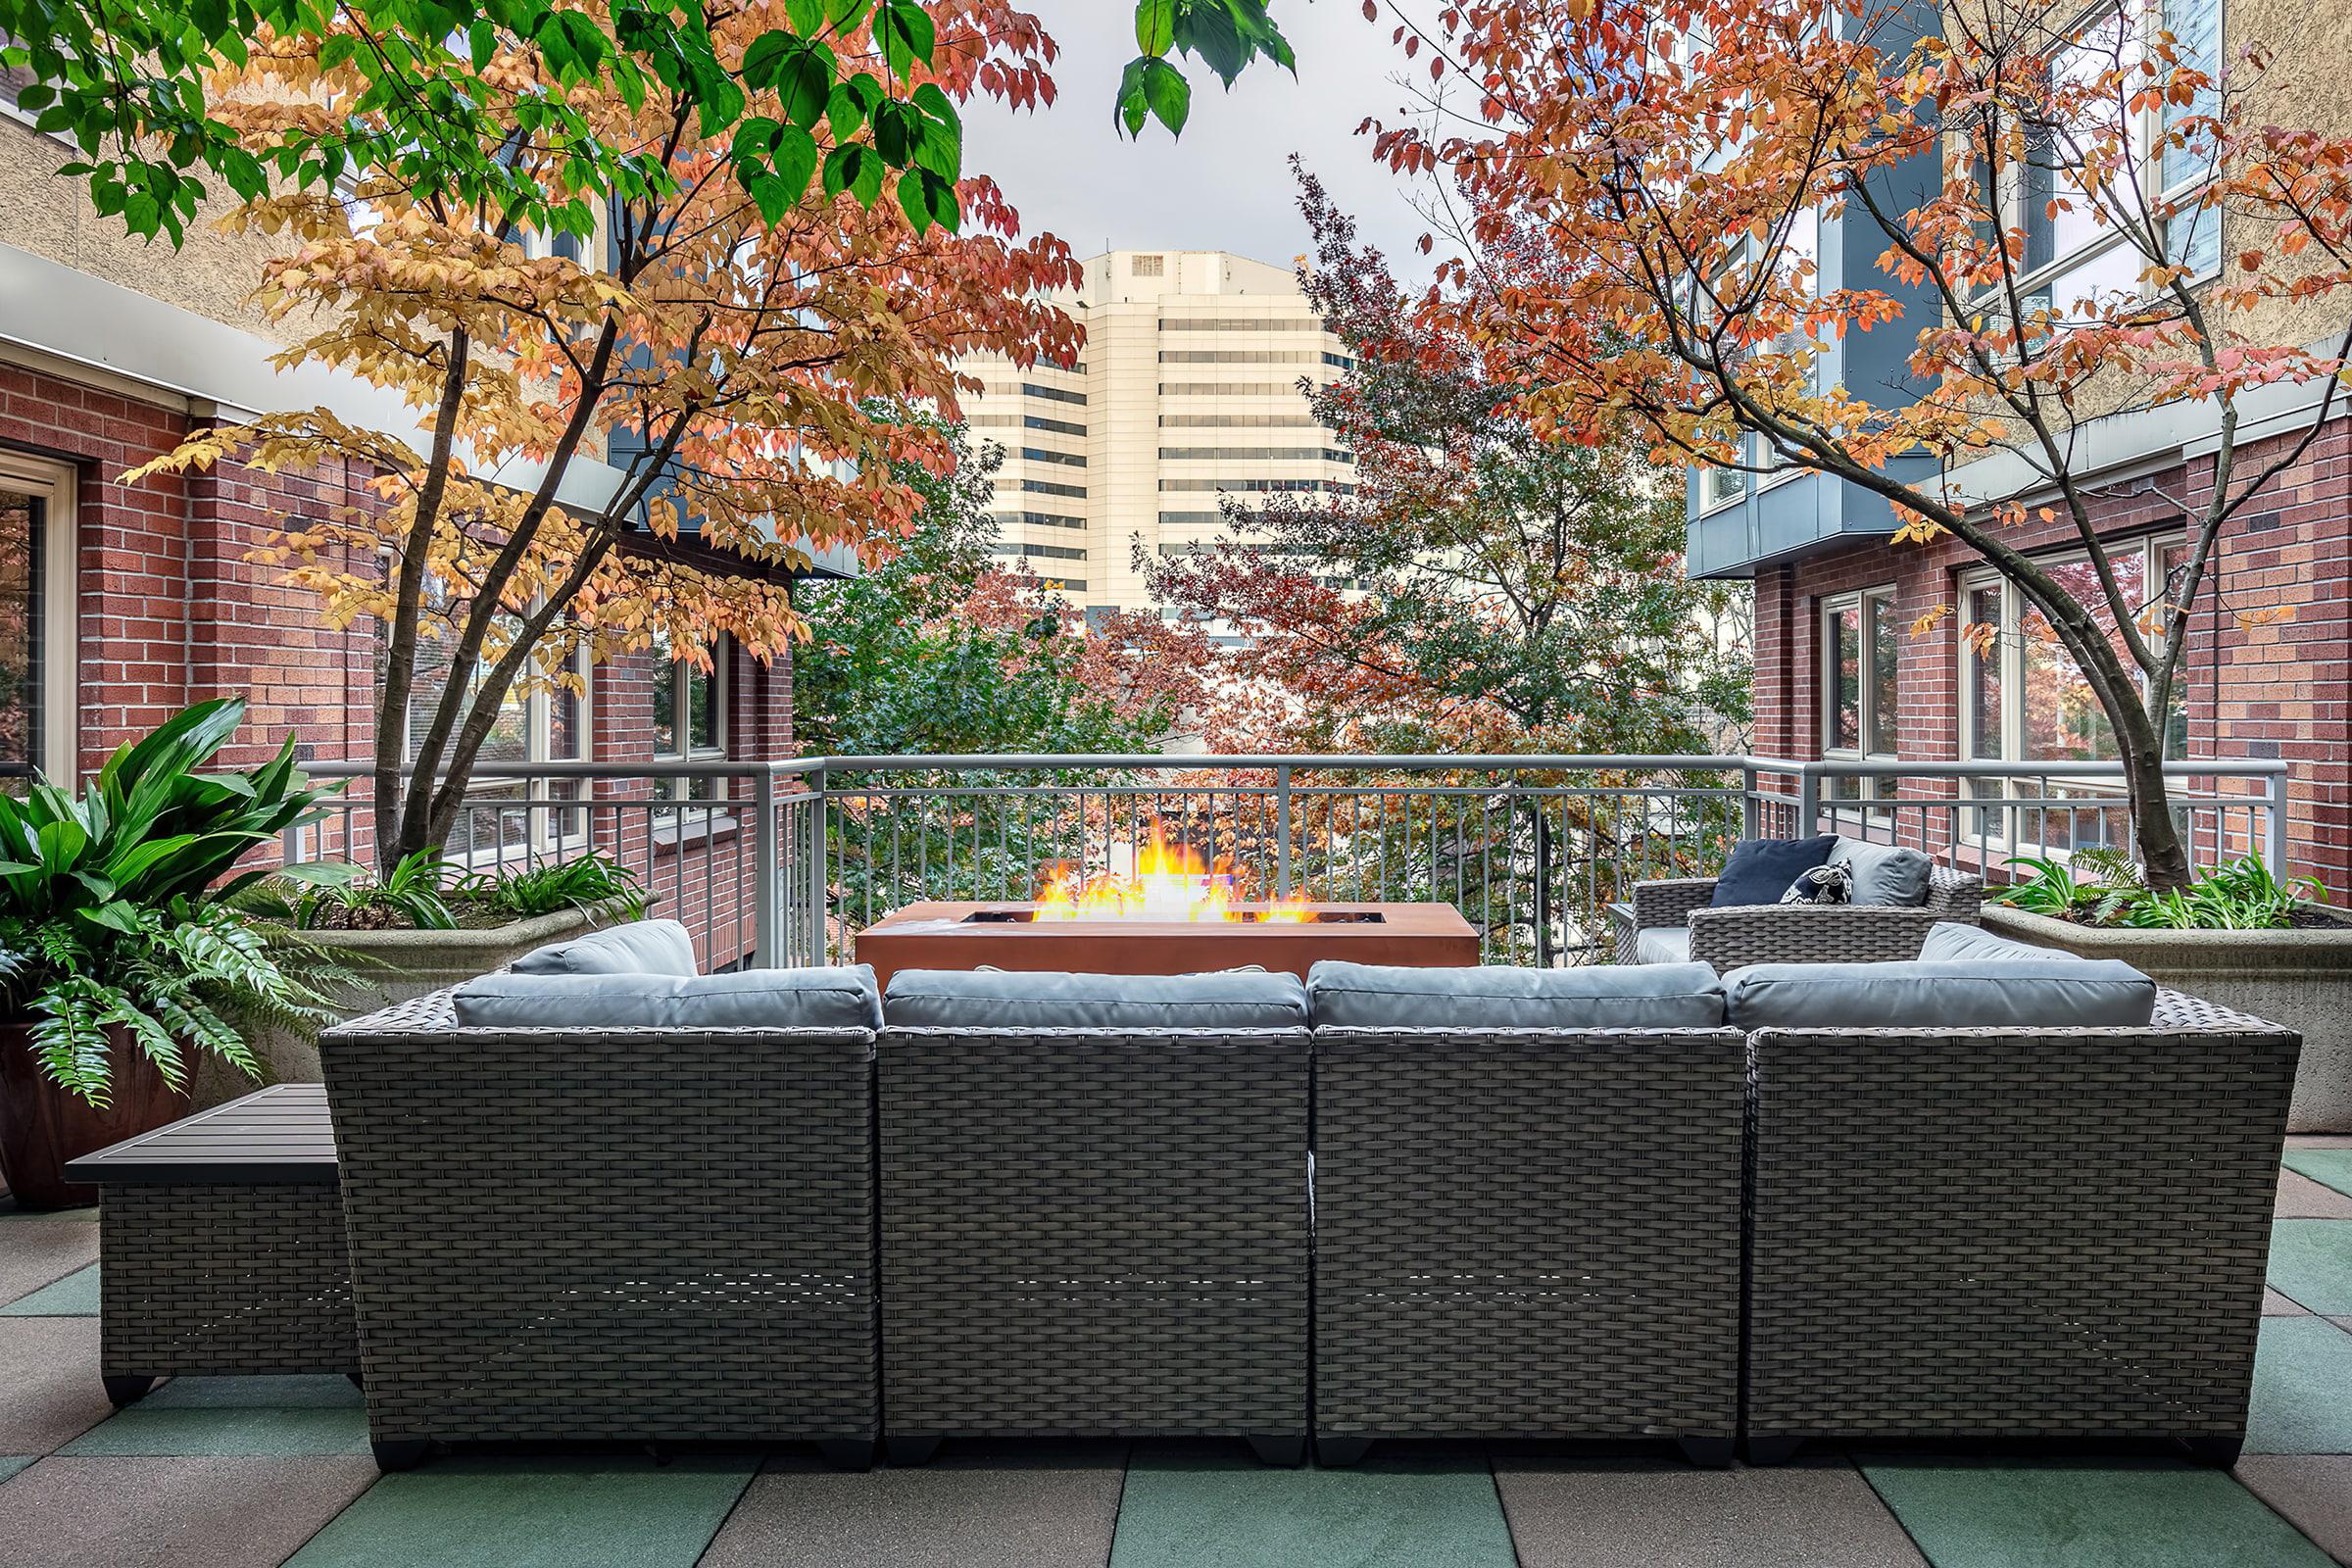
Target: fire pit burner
1238 914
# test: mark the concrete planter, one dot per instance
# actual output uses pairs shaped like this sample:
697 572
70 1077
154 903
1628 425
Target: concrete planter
2299 978
401 964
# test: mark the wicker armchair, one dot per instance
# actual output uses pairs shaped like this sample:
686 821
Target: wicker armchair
1794 933
1095 1231
619 1233
2012 1233
1528 1233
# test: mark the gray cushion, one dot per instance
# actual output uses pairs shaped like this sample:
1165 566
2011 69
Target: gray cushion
1884 873
1949 939
752 998
999 998
642 946
1648 996
1964 994
1662 943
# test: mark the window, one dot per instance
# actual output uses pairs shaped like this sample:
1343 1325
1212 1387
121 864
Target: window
37 694
548 725
1048 487
1245 421
1075 460
1228 389
1040 520
1052 551
1253 454
1240 323
1328 486
1251 357
690 714
1861 662
1052 394
1145 267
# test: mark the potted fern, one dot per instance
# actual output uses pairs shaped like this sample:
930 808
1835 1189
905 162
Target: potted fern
123 960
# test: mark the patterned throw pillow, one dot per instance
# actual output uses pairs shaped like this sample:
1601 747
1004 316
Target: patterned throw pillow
1824 884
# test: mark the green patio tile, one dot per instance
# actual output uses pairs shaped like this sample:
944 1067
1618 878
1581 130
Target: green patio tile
1969 1513
285 1417
2302 1388
75 1295
1195 1508
2331 1166
2311 1263
11 1463
535 1512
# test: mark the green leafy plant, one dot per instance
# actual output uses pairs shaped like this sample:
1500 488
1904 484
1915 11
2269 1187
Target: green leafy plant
587 883
116 912
2241 895
416 892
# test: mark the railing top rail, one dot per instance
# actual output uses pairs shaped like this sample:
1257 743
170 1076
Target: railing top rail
650 767
1025 761
1849 767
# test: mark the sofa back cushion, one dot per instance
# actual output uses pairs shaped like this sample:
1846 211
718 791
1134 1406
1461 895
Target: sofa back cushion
1760 870
1961 994
1949 939
1884 873
750 998
1646 996
1005 999
640 946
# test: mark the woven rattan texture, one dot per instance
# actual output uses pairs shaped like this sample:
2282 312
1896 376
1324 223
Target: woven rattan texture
1095 1231
2007 1233
608 1234
1521 1233
1767 933
223 1278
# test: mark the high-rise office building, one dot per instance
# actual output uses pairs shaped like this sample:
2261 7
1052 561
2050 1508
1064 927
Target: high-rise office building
1189 389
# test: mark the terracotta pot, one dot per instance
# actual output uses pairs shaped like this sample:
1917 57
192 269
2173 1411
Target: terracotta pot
42 1126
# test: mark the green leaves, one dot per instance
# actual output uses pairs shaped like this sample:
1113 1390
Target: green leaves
1226 36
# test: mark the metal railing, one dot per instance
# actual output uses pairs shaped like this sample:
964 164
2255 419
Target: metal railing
782 863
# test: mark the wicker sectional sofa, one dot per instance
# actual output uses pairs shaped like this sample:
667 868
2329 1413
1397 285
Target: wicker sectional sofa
1677 921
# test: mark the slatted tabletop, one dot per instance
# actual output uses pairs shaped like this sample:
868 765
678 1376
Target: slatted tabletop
277 1136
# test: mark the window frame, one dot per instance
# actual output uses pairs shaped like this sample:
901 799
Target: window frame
682 674
1826 609
546 832
56 486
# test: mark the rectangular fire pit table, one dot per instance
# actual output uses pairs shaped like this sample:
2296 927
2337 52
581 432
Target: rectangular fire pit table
220 1239
1009 936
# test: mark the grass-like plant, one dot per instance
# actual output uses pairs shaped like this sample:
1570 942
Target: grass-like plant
590 882
2103 887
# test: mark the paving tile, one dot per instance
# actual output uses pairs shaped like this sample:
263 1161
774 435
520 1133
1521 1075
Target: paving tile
2319 1141
2102 1513
1214 1507
11 1463
2313 1491
49 1388
1815 1513
2301 1197
2302 1388
239 1512
54 1216
997 1505
284 1416
75 1295
2331 1168
535 1512
2276 1305
34 1255
2311 1261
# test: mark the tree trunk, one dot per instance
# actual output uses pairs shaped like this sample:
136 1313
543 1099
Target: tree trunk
2163 858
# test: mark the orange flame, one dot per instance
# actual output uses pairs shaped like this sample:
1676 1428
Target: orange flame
1169 882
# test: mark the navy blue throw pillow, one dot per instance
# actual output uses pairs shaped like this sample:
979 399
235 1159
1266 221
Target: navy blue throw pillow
1760 870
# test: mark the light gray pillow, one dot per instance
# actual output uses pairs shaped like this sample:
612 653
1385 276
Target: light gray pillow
1001 999
1884 873
640 946
1662 943
1949 939
750 999
1648 996
1964 994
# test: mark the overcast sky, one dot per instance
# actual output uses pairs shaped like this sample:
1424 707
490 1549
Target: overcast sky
1226 185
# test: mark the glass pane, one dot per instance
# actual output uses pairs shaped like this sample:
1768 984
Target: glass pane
665 697
702 709
19 633
1885 659
1983 695
509 737
2062 718
2170 560
491 820
1845 678
564 736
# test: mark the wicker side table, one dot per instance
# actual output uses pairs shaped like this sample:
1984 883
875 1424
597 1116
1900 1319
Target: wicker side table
221 1237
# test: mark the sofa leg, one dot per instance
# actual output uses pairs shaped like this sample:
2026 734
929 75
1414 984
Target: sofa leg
1707 1454
1772 1451
848 1453
404 1453
1338 1453
359 1380
124 1389
2220 1452
1283 1450
912 1447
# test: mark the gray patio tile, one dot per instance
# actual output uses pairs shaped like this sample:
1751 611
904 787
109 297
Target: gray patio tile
75 1295
2311 1261
1815 1513
1214 1507
2276 1305
1002 1505
2302 1388
284 1416
2100 1513
49 1388
2301 1197
535 1512
2319 1141
11 1463
34 1255
2332 1166
172 1512
2313 1491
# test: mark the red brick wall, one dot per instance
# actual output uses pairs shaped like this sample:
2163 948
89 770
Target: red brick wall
2280 690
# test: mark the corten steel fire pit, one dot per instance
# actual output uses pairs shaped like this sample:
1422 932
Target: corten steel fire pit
1009 936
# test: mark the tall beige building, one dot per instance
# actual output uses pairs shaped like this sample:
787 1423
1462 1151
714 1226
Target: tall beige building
1189 390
